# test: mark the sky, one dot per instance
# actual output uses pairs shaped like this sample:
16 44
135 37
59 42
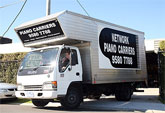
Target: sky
147 16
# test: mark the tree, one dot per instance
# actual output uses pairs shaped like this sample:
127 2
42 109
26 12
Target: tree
9 64
162 45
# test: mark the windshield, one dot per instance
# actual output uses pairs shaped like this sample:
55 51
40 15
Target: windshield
38 62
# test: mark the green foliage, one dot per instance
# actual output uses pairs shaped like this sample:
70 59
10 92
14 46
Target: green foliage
9 64
162 45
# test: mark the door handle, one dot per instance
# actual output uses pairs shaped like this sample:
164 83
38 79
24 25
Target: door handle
77 74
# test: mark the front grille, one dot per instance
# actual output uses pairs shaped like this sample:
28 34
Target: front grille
33 88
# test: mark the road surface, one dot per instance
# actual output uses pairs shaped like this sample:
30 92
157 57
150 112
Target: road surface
11 108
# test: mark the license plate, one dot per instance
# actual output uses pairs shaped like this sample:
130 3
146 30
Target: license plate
30 94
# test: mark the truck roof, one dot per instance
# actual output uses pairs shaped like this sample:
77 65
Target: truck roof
52 16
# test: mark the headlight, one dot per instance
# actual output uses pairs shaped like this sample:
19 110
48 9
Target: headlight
20 87
47 86
3 90
50 85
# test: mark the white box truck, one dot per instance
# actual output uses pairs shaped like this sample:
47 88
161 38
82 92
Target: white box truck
77 57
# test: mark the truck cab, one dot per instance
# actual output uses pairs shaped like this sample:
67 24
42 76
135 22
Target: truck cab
47 73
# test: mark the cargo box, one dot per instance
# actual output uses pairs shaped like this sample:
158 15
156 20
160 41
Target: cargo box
110 53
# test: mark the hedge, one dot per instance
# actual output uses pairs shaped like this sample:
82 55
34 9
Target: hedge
162 45
9 64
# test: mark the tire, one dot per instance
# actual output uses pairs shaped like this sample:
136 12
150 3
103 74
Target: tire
39 103
117 95
73 98
123 93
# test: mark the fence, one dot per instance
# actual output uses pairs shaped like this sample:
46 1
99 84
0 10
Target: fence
162 74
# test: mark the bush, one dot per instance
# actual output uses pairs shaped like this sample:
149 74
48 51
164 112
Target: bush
9 64
162 45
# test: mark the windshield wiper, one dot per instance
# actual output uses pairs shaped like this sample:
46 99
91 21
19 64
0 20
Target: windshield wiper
48 64
34 69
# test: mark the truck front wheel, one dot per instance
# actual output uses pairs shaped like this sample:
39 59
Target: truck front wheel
73 98
39 103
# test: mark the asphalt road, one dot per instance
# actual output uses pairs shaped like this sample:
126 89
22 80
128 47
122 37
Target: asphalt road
11 108
146 102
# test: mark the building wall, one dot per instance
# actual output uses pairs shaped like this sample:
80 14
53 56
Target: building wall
13 48
153 44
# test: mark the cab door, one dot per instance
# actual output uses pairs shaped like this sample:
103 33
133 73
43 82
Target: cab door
70 72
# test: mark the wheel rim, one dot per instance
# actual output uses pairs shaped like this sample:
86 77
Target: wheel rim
72 99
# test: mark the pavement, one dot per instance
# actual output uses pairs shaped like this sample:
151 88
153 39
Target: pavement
147 101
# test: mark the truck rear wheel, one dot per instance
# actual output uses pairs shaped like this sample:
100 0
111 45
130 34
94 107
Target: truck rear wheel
123 93
73 98
39 103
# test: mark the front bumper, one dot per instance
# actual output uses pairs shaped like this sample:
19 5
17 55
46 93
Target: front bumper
37 94
10 94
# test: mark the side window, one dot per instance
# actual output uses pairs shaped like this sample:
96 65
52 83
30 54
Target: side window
74 57
64 60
